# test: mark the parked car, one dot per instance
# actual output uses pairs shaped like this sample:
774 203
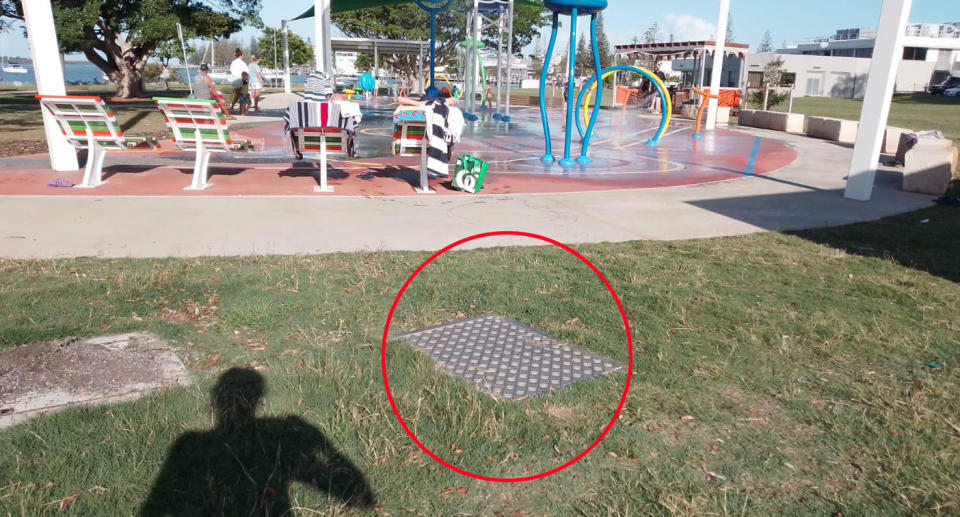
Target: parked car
952 92
940 89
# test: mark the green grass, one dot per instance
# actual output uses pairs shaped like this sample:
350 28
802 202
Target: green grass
773 374
917 111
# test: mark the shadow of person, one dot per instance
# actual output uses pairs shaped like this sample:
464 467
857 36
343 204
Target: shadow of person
245 465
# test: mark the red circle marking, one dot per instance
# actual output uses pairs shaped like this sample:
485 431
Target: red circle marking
626 387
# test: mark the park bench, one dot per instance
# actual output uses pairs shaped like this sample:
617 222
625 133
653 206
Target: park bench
319 143
409 139
89 124
322 138
198 125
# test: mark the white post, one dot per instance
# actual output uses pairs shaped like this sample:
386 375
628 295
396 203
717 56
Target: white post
45 52
509 57
323 187
719 51
286 58
887 52
321 41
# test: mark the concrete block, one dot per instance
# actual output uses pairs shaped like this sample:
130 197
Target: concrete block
891 139
723 115
928 168
833 129
787 122
761 119
689 111
746 117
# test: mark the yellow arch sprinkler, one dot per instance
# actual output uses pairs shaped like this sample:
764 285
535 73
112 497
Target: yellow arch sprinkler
573 9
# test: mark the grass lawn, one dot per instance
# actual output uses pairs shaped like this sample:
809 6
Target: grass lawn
773 374
918 111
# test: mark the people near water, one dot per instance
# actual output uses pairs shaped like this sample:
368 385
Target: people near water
655 104
165 77
203 88
237 69
256 81
488 93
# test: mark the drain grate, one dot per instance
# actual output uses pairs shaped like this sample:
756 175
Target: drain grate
508 359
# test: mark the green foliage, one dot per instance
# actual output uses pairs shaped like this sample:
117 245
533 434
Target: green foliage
653 34
364 63
603 43
171 50
119 37
300 52
766 44
409 22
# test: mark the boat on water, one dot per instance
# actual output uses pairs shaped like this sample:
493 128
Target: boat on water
13 69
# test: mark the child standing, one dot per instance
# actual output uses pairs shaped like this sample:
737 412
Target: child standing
243 94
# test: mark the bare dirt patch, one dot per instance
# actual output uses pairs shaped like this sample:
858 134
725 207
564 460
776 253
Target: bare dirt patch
51 376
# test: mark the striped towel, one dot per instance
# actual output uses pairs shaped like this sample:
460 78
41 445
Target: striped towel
303 115
444 126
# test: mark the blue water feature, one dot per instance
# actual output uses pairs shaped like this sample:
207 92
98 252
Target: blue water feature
572 8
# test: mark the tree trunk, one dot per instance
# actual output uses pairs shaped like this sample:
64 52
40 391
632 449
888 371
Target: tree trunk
128 81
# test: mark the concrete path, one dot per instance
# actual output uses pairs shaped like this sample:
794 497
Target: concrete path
806 194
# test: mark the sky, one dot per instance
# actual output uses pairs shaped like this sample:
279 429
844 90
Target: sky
690 19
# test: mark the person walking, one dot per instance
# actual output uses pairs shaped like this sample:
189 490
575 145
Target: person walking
237 68
165 77
256 82
656 103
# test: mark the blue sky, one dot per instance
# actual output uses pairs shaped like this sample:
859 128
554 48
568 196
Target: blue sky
690 19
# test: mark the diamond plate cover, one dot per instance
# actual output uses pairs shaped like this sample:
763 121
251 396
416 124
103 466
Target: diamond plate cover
508 359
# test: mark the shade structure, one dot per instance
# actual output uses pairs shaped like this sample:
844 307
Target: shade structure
342 6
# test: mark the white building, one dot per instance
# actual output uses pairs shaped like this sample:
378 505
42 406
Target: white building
346 63
838 66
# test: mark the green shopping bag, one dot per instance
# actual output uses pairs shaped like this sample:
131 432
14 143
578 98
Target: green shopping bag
469 173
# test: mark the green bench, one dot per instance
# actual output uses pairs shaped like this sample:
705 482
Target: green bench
89 124
409 139
199 126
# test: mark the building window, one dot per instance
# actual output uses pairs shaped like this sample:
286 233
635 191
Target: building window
914 53
864 52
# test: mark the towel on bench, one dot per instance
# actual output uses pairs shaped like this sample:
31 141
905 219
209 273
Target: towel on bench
444 126
339 114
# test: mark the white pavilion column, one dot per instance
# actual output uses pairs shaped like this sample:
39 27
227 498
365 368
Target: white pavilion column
322 28
45 52
718 57
887 53
286 58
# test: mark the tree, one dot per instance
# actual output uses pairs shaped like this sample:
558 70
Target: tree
653 34
584 57
603 44
300 52
766 44
730 33
119 37
254 47
169 50
536 65
409 22
364 63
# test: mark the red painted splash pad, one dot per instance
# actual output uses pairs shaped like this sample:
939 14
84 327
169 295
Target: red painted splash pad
621 160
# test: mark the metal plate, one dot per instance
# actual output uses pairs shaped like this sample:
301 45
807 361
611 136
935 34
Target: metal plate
507 359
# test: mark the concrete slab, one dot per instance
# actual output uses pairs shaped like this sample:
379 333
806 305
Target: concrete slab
43 378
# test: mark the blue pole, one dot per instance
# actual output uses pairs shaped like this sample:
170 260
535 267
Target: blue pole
571 77
584 159
548 157
433 48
